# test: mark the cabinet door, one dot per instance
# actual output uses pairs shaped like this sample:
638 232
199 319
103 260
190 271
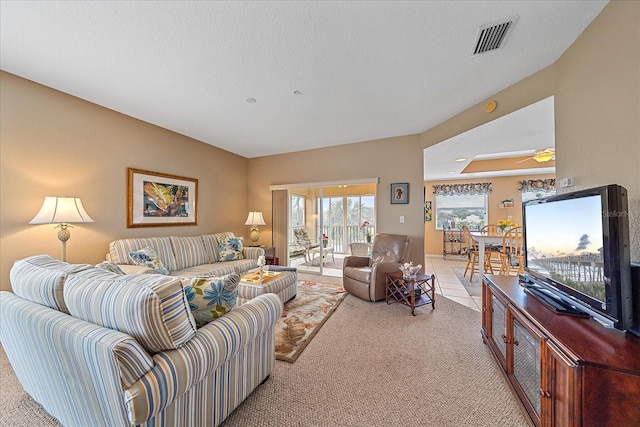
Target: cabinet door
560 397
526 363
498 315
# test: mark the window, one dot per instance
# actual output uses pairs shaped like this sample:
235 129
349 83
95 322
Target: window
297 211
352 211
454 211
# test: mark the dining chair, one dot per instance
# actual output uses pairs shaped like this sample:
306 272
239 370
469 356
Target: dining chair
492 230
512 252
473 255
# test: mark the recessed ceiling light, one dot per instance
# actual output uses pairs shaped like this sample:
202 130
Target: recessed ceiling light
451 172
460 159
251 100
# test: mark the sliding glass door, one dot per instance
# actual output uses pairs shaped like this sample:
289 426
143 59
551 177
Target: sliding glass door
314 226
306 248
348 219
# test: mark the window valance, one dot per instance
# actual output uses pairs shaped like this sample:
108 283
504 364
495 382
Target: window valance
462 189
537 185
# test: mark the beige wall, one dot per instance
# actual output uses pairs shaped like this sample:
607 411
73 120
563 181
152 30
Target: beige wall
505 187
391 160
598 108
55 144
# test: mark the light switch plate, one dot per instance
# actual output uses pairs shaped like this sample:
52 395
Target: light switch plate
401 219
566 182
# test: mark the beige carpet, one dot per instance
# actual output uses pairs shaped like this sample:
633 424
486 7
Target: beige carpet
371 364
303 317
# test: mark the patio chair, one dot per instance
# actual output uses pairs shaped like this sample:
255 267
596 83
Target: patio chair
360 249
302 239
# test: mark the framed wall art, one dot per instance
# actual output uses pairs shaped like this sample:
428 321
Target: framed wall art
428 214
160 200
400 193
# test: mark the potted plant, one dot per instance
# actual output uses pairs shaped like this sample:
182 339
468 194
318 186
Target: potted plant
365 230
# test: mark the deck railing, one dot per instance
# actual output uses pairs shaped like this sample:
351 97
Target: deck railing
340 237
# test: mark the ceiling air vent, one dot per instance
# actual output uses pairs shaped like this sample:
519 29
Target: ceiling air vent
492 36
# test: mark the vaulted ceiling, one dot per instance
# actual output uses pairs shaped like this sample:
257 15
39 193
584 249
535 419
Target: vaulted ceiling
259 78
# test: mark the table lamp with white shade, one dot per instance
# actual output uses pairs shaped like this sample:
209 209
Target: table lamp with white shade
254 219
62 211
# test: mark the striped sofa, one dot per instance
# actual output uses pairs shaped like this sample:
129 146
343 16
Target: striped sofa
184 256
96 348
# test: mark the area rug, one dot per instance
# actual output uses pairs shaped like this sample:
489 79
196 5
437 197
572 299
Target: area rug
473 288
303 317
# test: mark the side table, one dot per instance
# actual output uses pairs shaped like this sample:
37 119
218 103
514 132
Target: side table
270 255
403 290
323 252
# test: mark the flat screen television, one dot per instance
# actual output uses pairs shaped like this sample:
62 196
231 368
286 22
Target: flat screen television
577 257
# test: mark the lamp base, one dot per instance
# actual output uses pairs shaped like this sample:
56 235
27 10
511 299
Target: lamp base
255 234
63 235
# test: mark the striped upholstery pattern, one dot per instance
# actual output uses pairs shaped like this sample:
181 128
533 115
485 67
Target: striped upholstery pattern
119 250
252 252
205 270
183 256
151 308
133 360
241 266
207 378
136 269
188 251
86 374
80 368
41 278
285 286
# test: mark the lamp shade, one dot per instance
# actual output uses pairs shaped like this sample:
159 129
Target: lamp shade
255 218
61 210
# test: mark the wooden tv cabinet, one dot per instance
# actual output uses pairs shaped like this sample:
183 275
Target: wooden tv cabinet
565 370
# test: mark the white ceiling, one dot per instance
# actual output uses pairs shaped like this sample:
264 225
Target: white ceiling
365 69
517 134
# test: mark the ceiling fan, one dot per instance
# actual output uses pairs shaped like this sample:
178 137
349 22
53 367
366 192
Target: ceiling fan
542 156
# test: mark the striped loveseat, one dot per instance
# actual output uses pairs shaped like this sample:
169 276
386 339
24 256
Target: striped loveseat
185 256
96 348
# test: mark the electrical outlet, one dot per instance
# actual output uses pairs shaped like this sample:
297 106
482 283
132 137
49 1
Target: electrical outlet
401 219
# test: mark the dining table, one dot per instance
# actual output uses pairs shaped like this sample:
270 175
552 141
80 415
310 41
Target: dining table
483 240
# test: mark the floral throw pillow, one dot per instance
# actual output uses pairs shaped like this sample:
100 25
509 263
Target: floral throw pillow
230 248
148 257
211 297
109 266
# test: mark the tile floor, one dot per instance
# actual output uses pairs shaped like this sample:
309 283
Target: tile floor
447 283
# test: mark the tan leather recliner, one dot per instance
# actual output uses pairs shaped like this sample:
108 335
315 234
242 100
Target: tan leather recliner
365 277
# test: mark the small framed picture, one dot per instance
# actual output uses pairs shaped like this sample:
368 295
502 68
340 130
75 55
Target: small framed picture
427 211
400 193
159 200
